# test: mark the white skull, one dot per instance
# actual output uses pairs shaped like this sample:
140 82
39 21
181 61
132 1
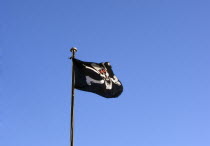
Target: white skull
102 71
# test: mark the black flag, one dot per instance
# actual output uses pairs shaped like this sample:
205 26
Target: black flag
97 78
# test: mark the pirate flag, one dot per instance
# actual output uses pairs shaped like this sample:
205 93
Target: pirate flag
97 78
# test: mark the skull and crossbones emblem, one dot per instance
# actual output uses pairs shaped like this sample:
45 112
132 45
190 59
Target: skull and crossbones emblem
103 72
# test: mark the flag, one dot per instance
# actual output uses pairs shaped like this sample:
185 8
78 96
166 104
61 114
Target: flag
96 78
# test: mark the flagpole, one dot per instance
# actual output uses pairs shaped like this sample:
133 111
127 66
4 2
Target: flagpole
73 50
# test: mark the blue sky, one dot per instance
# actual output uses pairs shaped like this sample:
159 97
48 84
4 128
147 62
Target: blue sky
158 49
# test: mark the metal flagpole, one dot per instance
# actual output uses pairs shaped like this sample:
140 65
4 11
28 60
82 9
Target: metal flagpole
73 50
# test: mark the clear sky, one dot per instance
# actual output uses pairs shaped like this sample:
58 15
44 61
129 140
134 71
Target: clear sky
159 49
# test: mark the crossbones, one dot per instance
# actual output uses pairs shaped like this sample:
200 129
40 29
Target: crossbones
102 71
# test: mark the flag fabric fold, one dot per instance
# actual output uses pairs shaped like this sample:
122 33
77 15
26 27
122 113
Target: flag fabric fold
97 78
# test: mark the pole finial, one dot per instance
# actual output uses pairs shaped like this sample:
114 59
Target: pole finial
73 49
